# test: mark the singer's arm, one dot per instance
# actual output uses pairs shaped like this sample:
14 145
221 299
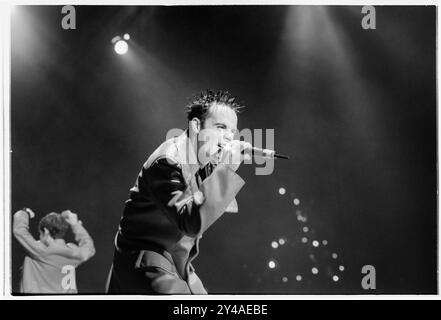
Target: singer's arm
174 197
166 183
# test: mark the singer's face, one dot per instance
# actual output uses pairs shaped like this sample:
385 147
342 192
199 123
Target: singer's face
218 129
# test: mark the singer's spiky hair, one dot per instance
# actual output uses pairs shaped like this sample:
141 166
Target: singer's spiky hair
200 103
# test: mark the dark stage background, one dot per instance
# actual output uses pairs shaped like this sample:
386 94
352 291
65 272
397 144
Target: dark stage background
355 109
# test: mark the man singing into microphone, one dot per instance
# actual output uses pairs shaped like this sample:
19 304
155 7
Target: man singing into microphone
186 184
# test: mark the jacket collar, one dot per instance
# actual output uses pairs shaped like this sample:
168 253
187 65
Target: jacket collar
186 156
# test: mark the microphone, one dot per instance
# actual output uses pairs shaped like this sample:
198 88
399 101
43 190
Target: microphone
265 153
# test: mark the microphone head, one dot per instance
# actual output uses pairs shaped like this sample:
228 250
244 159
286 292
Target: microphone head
281 156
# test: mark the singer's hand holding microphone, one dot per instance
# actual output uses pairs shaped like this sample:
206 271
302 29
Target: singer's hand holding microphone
233 153
236 151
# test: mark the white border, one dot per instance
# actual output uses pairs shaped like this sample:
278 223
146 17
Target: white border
5 159
5 147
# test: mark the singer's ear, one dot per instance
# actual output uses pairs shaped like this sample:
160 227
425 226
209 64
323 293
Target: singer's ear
195 124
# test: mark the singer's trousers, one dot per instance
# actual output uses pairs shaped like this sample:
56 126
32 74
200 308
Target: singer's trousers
129 275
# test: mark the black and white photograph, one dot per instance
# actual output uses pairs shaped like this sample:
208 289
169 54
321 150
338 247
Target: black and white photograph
222 150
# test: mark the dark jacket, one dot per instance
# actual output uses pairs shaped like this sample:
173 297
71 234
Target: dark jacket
161 223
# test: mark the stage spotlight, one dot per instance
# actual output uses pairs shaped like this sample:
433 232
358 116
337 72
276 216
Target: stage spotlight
126 36
282 241
314 270
121 47
271 264
325 242
304 240
274 244
341 268
305 229
282 191
334 256
296 201
285 279
299 277
335 278
315 243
